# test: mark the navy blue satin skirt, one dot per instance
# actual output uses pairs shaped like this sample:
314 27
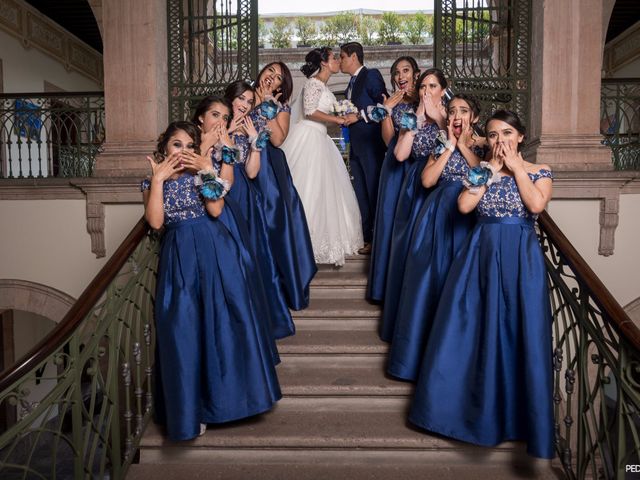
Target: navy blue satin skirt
287 228
214 361
412 197
391 177
486 376
247 200
439 233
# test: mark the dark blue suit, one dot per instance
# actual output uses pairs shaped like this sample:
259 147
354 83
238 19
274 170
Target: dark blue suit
367 147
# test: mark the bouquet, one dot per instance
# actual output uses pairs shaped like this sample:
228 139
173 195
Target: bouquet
343 107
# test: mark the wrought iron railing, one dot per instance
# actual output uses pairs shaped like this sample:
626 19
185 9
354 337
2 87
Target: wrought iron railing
77 405
50 134
597 367
620 121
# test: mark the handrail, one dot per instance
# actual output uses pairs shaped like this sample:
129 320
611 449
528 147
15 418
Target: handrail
592 282
79 310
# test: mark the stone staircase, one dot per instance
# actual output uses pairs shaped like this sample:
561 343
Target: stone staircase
340 418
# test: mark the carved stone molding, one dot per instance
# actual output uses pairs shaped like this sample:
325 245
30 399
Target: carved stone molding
36 30
622 50
604 186
570 152
35 298
100 191
124 158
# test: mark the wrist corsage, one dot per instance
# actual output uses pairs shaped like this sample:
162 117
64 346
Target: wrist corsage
269 108
211 186
377 113
226 154
480 175
409 121
258 142
442 144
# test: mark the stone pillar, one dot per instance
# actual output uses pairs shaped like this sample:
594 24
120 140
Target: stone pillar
566 68
135 84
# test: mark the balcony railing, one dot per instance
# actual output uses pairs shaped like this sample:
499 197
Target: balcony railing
620 121
50 134
77 405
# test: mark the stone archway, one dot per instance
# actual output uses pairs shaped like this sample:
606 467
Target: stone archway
34 298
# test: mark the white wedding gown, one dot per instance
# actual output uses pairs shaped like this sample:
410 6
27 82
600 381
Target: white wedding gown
321 178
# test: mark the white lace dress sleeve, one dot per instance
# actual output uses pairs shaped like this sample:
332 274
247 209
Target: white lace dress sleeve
311 96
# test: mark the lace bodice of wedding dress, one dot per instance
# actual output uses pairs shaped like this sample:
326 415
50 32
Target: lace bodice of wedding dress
317 96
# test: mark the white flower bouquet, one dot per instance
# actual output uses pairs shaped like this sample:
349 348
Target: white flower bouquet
343 107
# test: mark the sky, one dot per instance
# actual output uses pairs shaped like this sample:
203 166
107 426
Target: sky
300 6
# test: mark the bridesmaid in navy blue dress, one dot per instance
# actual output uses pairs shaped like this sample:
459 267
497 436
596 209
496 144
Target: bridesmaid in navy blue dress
439 232
286 221
404 73
214 361
414 145
245 195
213 117
486 376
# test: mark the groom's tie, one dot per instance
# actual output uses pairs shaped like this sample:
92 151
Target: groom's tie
352 82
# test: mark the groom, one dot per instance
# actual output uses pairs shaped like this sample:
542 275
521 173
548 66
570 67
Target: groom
366 88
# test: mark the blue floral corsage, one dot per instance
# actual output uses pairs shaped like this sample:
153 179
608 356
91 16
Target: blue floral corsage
227 154
377 113
211 186
480 175
408 121
442 143
269 109
261 140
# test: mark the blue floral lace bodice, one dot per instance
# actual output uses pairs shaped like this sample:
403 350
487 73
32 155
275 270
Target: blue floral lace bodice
181 199
502 199
457 167
397 112
242 142
259 121
424 141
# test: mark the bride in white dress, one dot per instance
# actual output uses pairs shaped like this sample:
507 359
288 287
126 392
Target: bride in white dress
318 170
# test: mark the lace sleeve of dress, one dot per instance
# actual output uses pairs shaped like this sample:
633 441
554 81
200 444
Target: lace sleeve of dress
311 97
542 173
145 184
284 108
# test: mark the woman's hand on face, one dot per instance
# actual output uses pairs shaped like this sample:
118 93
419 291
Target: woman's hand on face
195 162
224 137
450 135
433 107
394 99
513 159
211 137
466 134
248 127
162 171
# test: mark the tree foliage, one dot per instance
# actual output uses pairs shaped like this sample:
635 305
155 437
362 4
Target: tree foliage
417 27
306 31
367 26
340 28
389 28
280 34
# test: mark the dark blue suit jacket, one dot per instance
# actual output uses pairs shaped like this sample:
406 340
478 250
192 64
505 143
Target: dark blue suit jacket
367 90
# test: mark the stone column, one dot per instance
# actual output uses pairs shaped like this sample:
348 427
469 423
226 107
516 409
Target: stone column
566 68
135 84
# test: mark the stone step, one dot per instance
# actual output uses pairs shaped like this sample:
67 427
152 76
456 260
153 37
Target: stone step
338 292
323 375
336 465
327 431
328 278
353 263
330 336
339 308
366 423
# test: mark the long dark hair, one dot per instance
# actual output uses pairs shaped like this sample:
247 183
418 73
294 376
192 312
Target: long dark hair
411 61
205 105
314 59
512 119
160 153
430 71
235 89
286 87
